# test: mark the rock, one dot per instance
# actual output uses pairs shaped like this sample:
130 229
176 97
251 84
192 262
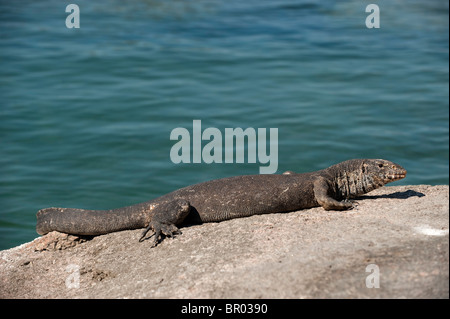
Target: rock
395 239
56 241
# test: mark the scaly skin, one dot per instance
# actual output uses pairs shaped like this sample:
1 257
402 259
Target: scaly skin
228 198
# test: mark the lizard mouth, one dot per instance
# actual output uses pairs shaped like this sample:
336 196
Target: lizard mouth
397 176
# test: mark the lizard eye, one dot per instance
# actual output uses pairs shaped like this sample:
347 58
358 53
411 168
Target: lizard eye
380 165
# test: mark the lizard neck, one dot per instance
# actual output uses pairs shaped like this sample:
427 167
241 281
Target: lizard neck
355 183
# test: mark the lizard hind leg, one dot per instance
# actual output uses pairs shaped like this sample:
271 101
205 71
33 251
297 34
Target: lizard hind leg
165 219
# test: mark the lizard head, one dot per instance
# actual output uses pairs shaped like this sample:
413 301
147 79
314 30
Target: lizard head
383 171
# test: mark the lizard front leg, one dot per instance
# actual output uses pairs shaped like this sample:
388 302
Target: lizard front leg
165 219
326 201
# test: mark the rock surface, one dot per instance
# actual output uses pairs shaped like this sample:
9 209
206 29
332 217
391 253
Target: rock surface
400 233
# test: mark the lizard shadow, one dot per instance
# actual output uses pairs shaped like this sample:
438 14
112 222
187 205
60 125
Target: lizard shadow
193 218
398 195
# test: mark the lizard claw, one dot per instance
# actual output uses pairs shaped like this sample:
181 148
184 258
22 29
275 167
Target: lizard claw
354 204
145 233
159 229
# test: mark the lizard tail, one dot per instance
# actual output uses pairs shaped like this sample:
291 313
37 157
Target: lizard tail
88 222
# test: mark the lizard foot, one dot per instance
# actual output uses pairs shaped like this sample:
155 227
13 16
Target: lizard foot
352 204
164 220
159 230
335 205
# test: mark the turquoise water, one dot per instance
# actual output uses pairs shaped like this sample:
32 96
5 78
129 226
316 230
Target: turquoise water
86 114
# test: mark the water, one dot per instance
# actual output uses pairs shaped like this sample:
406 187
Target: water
86 114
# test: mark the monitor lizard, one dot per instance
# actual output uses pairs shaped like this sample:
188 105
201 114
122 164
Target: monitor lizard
226 198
